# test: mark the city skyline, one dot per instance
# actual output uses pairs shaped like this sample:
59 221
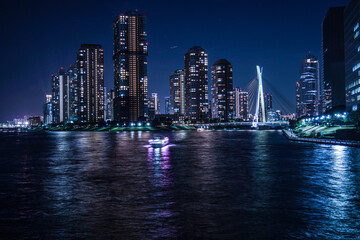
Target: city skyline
166 55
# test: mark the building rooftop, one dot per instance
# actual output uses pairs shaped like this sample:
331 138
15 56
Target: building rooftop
196 49
86 45
222 62
132 13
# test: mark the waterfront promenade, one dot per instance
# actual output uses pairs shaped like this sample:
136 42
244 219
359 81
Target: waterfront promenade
292 136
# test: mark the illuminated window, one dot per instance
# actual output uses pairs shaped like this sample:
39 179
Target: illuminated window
356 27
356 67
356 34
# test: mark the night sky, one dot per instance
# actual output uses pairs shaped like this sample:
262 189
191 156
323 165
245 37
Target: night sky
39 37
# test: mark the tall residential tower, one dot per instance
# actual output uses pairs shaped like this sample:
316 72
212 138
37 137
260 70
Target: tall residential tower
153 106
333 59
222 104
47 109
196 84
130 66
309 88
241 104
73 103
352 54
60 89
177 92
90 63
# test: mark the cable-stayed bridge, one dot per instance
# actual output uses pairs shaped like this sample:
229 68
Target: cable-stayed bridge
257 89
257 107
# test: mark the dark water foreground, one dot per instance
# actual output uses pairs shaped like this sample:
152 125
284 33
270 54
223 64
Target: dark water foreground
208 185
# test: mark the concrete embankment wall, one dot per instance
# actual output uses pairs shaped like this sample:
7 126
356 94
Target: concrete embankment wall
292 136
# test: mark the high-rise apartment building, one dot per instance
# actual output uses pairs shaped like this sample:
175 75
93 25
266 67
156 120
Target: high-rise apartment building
177 92
167 105
109 100
333 59
60 89
268 102
47 109
73 103
154 103
196 84
298 98
352 54
309 89
130 66
153 106
222 103
90 81
241 104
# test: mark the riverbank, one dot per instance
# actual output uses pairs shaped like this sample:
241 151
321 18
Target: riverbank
94 128
293 137
212 126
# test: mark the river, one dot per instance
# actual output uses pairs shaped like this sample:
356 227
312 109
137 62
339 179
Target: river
203 185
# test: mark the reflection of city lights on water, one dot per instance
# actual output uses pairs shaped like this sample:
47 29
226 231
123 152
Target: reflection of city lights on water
159 154
159 160
161 179
340 199
339 150
339 164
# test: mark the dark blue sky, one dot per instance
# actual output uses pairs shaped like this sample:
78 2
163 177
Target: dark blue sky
39 37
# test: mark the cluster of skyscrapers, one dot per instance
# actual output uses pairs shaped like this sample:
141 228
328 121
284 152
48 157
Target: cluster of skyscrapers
189 90
339 87
78 94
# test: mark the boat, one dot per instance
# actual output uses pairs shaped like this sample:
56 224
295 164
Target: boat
159 141
201 129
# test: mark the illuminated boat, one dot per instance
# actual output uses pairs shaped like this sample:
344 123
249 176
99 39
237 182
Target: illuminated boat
159 141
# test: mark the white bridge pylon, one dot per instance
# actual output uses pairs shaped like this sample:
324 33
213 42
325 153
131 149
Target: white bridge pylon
259 99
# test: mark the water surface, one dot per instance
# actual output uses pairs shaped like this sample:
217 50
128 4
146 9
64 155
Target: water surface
208 185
